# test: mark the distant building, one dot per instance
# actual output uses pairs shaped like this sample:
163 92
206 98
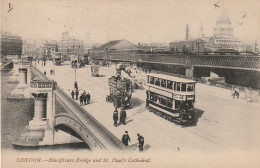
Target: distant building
69 45
197 45
116 45
11 44
49 47
153 47
223 36
31 48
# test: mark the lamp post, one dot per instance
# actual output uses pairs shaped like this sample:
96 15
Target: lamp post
75 73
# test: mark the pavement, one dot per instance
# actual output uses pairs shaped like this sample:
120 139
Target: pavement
224 124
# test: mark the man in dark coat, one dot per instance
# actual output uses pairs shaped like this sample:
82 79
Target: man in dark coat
88 97
81 97
85 98
115 117
77 94
122 115
76 85
72 94
141 142
126 138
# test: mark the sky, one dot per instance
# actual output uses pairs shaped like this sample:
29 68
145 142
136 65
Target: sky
135 20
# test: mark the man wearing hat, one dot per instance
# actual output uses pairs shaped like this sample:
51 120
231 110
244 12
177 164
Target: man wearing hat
115 117
141 142
122 115
126 138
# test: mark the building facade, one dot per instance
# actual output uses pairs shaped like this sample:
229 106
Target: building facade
69 45
49 47
197 45
31 48
11 44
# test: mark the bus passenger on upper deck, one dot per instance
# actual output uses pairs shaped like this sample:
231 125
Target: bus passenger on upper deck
178 87
163 83
169 84
157 82
151 80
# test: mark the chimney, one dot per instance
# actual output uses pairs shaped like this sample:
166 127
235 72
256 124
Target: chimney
187 32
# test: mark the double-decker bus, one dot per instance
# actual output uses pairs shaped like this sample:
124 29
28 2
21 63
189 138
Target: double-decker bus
57 58
171 98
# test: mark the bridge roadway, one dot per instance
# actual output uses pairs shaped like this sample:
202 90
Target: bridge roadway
95 135
224 124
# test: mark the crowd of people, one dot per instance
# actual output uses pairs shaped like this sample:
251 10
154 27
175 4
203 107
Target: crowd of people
84 98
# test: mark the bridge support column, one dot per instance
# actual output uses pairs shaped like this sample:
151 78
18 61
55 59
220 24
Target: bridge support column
40 130
39 118
22 89
189 71
15 74
23 76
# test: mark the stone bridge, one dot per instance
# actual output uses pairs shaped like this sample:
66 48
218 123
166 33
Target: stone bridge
72 119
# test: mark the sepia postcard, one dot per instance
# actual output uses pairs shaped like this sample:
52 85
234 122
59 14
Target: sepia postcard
130 83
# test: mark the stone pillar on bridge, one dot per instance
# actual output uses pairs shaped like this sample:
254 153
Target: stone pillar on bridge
23 76
39 118
15 73
40 130
22 89
189 71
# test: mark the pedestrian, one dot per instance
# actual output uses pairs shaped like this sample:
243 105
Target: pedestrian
72 94
236 94
115 117
77 94
44 63
122 115
81 97
44 72
126 138
141 142
88 97
84 98
38 61
76 85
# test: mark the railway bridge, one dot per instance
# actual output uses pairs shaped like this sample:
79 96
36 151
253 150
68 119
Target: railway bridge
73 119
233 67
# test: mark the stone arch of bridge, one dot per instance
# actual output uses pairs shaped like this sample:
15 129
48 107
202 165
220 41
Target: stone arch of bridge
70 125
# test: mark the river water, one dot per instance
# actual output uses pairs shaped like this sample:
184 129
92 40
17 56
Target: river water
16 114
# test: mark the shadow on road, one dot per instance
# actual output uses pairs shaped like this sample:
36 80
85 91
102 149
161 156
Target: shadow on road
133 146
146 147
125 122
198 113
101 76
128 121
135 101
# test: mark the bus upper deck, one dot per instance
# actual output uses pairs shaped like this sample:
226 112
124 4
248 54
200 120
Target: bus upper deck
171 84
